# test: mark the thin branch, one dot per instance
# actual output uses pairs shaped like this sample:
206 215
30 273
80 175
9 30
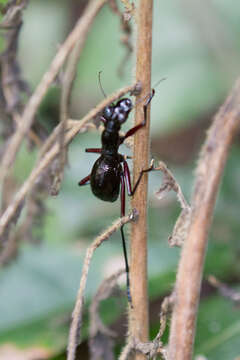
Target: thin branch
55 134
170 183
208 176
154 348
101 338
225 290
52 153
138 325
80 30
150 350
67 86
74 335
13 85
166 309
182 224
126 29
127 350
108 287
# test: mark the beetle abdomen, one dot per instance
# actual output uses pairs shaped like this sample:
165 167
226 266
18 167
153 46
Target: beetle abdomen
105 178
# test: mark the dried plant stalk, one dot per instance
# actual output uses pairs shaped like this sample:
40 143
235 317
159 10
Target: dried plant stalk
67 86
45 161
74 335
208 176
182 224
138 326
80 30
101 338
225 290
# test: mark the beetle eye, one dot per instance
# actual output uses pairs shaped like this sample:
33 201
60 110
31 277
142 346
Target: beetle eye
107 112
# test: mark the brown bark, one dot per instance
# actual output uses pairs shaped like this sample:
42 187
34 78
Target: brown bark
208 176
139 327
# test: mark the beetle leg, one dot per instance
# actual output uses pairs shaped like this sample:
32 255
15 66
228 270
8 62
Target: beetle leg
93 150
85 181
127 176
139 126
103 120
140 176
123 239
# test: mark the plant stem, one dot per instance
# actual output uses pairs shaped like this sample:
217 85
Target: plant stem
138 268
80 31
208 175
51 150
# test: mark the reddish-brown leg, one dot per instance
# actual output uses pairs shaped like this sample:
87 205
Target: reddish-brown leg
137 127
123 239
128 177
93 150
122 195
84 181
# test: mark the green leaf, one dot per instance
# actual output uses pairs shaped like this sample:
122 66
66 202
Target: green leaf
38 294
218 329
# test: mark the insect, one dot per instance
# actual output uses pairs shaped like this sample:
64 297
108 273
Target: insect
110 173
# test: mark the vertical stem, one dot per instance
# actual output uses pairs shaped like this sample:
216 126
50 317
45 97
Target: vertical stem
138 268
208 176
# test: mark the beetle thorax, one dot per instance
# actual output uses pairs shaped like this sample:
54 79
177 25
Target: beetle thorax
110 140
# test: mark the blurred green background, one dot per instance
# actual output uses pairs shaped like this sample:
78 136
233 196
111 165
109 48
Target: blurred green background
196 46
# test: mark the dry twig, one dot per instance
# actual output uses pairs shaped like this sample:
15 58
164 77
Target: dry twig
208 176
13 88
80 31
225 290
101 340
166 308
74 334
182 224
11 79
13 85
151 349
126 28
44 163
67 85
138 320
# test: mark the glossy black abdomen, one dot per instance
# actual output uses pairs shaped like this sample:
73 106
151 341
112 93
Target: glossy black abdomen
105 178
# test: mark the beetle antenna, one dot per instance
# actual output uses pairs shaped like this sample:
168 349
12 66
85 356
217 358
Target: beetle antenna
147 96
159 81
100 84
